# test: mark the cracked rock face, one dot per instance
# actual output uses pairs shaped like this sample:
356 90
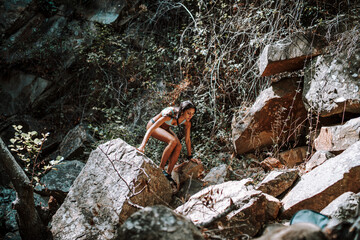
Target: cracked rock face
331 85
158 222
115 181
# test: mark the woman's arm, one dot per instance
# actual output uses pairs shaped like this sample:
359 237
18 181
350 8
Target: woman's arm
148 133
187 137
188 142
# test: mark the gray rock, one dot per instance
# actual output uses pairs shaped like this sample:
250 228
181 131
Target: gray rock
216 175
62 177
332 85
344 207
297 231
116 181
322 185
238 206
288 55
158 222
75 142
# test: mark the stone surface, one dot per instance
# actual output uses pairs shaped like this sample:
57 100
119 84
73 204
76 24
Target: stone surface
114 183
19 90
75 142
248 208
274 116
10 12
344 207
62 177
331 85
277 182
287 55
158 222
293 157
339 137
317 159
216 175
186 170
297 231
322 185
270 163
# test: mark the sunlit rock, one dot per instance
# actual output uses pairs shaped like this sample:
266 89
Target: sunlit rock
325 183
343 207
277 115
230 207
339 137
116 181
288 55
317 159
332 83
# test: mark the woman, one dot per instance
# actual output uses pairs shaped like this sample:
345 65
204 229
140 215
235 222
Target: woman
159 128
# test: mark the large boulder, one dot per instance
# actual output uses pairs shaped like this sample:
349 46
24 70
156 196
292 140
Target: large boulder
339 137
331 85
288 55
322 185
277 114
158 222
231 207
116 181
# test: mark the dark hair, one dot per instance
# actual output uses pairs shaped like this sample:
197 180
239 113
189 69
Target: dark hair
182 108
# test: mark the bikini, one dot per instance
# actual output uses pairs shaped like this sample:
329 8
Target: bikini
164 112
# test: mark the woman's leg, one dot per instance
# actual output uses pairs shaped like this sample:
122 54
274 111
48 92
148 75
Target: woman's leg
172 141
174 157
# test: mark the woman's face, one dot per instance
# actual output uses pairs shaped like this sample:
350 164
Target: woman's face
189 113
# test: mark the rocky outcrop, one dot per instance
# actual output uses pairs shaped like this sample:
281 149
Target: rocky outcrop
116 181
277 182
331 85
278 113
230 207
288 55
322 185
158 222
339 137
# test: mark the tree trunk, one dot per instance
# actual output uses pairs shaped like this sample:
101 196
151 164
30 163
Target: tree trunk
30 224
